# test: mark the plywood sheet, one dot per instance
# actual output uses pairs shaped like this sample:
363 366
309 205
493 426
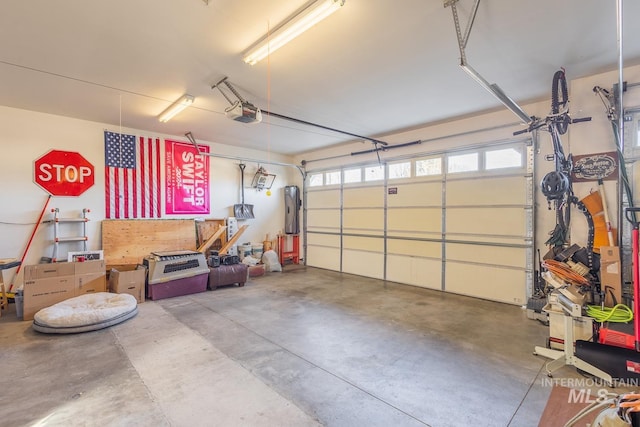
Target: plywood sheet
205 229
128 241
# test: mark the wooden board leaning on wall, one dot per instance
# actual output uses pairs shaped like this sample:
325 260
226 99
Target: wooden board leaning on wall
127 241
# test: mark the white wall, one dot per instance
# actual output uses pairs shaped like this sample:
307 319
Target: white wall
27 135
583 138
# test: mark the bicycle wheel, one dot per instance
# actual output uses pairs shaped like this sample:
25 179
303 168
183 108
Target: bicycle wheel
559 99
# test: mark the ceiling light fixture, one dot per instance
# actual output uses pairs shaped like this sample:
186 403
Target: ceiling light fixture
291 28
175 108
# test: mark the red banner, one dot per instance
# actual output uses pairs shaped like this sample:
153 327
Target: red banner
187 179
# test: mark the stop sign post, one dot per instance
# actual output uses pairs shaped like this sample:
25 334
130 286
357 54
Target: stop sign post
64 173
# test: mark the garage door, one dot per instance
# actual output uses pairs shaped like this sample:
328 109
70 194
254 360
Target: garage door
458 221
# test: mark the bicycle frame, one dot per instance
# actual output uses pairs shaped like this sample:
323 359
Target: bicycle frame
556 123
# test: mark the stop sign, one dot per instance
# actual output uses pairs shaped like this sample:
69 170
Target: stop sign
64 173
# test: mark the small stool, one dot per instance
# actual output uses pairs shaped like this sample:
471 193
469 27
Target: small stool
227 275
294 253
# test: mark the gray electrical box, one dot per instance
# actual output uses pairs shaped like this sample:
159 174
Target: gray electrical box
292 205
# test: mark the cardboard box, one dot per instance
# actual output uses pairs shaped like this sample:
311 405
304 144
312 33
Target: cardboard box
43 271
611 274
128 279
48 284
85 267
42 293
90 283
90 277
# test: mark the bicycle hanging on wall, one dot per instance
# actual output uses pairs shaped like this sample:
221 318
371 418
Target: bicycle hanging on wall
556 185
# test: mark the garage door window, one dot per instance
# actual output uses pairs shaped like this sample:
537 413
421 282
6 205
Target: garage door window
400 170
373 173
352 175
428 167
462 163
504 158
332 178
315 180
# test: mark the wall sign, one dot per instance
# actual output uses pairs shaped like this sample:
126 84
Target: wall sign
187 179
63 173
592 167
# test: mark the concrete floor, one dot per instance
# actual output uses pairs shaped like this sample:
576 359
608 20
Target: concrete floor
303 347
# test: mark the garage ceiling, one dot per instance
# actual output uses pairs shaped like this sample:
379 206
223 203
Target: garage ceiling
373 68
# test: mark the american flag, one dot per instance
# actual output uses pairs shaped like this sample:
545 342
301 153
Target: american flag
131 176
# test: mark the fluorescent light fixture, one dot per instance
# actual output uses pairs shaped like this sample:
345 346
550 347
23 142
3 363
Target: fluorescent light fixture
291 28
175 108
495 90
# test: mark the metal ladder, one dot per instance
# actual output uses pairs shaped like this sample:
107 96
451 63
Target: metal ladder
57 239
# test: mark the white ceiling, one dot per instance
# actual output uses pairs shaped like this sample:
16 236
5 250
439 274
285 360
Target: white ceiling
374 67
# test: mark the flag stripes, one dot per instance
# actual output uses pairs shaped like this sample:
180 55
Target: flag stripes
132 177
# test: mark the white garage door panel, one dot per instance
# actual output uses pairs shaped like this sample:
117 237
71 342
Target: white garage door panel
323 257
362 263
468 233
414 248
487 191
425 273
358 219
498 221
323 240
512 257
494 283
323 199
323 218
416 219
375 244
416 194
363 197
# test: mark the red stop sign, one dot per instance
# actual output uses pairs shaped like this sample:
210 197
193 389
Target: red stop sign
64 173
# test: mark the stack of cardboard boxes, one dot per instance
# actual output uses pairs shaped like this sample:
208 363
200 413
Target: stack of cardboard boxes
48 284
